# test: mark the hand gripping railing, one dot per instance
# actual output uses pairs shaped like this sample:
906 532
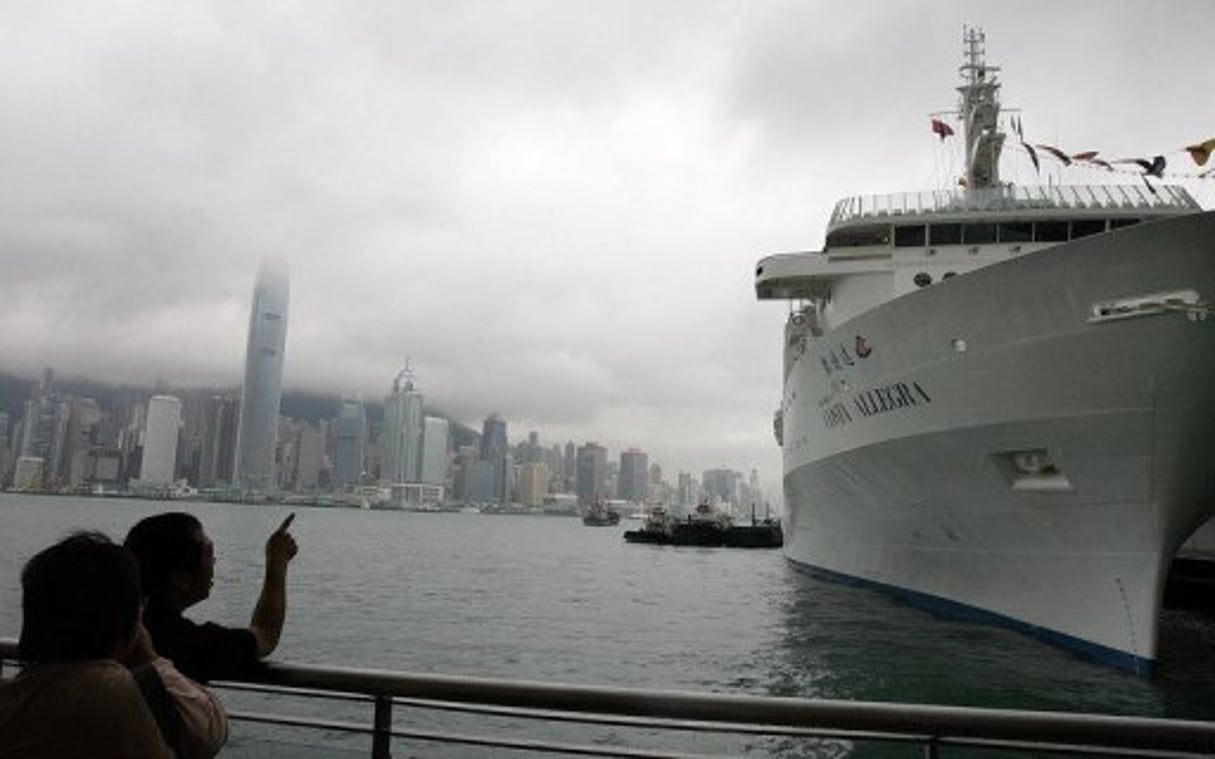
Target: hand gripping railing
931 727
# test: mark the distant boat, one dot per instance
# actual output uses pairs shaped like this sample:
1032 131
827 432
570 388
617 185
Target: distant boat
598 515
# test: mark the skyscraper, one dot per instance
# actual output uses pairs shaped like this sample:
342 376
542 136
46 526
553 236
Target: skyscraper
257 431
350 431
436 434
496 450
592 473
634 475
157 467
401 437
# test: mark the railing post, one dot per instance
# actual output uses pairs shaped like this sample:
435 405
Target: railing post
931 748
381 739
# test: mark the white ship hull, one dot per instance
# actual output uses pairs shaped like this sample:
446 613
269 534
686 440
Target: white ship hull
902 468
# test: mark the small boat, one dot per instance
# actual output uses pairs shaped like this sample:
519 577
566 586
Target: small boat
656 529
598 515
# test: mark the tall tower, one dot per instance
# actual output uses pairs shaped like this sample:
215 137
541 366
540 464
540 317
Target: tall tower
157 467
633 482
257 431
496 450
592 473
436 434
350 431
401 438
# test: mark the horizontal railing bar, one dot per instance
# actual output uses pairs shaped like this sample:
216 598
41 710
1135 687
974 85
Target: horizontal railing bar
951 722
278 690
926 724
457 738
311 722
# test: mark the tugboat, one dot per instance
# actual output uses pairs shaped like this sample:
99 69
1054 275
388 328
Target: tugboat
656 529
598 515
765 533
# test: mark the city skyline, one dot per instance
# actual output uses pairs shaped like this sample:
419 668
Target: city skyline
155 444
560 224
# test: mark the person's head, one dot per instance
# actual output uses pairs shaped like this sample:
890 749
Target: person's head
80 599
176 558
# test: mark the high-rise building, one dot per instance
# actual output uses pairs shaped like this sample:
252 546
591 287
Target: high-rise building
633 480
436 437
218 454
533 483
495 449
401 436
159 461
350 433
592 473
721 485
310 449
257 431
44 430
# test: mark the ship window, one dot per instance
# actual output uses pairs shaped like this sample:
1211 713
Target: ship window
1086 227
1116 223
1050 231
945 234
979 234
922 279
855 237
1016 231
909 236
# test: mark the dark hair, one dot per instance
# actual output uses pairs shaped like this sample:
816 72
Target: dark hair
165 543
79 599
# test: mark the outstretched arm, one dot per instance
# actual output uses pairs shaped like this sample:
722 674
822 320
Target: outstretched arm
271 609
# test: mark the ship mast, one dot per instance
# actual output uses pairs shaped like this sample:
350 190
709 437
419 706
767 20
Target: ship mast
980 109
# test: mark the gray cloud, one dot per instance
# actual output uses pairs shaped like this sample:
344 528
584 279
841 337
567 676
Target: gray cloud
553 208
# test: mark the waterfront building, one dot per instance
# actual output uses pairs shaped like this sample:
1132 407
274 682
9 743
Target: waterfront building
218 453
401 435
158 464
687 491
495 449
27 475
533 483
721 485
350 440
478 477
309 451
633 480
44 430
570 468
257 430
436 439
591 473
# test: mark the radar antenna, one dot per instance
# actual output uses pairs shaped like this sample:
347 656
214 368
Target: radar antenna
980 109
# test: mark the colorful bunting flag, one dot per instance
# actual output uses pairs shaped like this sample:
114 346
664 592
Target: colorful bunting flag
941 129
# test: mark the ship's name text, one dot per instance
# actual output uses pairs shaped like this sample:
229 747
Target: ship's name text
877 400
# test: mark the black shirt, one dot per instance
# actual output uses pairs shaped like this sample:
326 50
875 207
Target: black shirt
201 652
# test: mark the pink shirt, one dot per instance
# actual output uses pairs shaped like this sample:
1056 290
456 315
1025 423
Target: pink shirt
77 709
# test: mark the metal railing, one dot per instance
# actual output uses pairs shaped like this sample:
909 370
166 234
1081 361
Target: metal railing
931 728
1097 199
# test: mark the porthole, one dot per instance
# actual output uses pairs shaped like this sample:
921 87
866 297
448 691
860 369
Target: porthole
923 279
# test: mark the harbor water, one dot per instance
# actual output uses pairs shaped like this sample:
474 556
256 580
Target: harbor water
547 598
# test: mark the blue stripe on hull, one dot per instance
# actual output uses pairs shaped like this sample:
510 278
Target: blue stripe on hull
1086 649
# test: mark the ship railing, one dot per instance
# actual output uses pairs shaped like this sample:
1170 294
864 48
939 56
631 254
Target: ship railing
932 731
1119 198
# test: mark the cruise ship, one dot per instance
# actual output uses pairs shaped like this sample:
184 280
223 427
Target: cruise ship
999 400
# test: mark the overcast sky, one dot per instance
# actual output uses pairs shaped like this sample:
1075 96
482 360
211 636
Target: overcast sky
553 208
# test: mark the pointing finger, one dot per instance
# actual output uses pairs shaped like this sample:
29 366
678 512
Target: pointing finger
286 522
